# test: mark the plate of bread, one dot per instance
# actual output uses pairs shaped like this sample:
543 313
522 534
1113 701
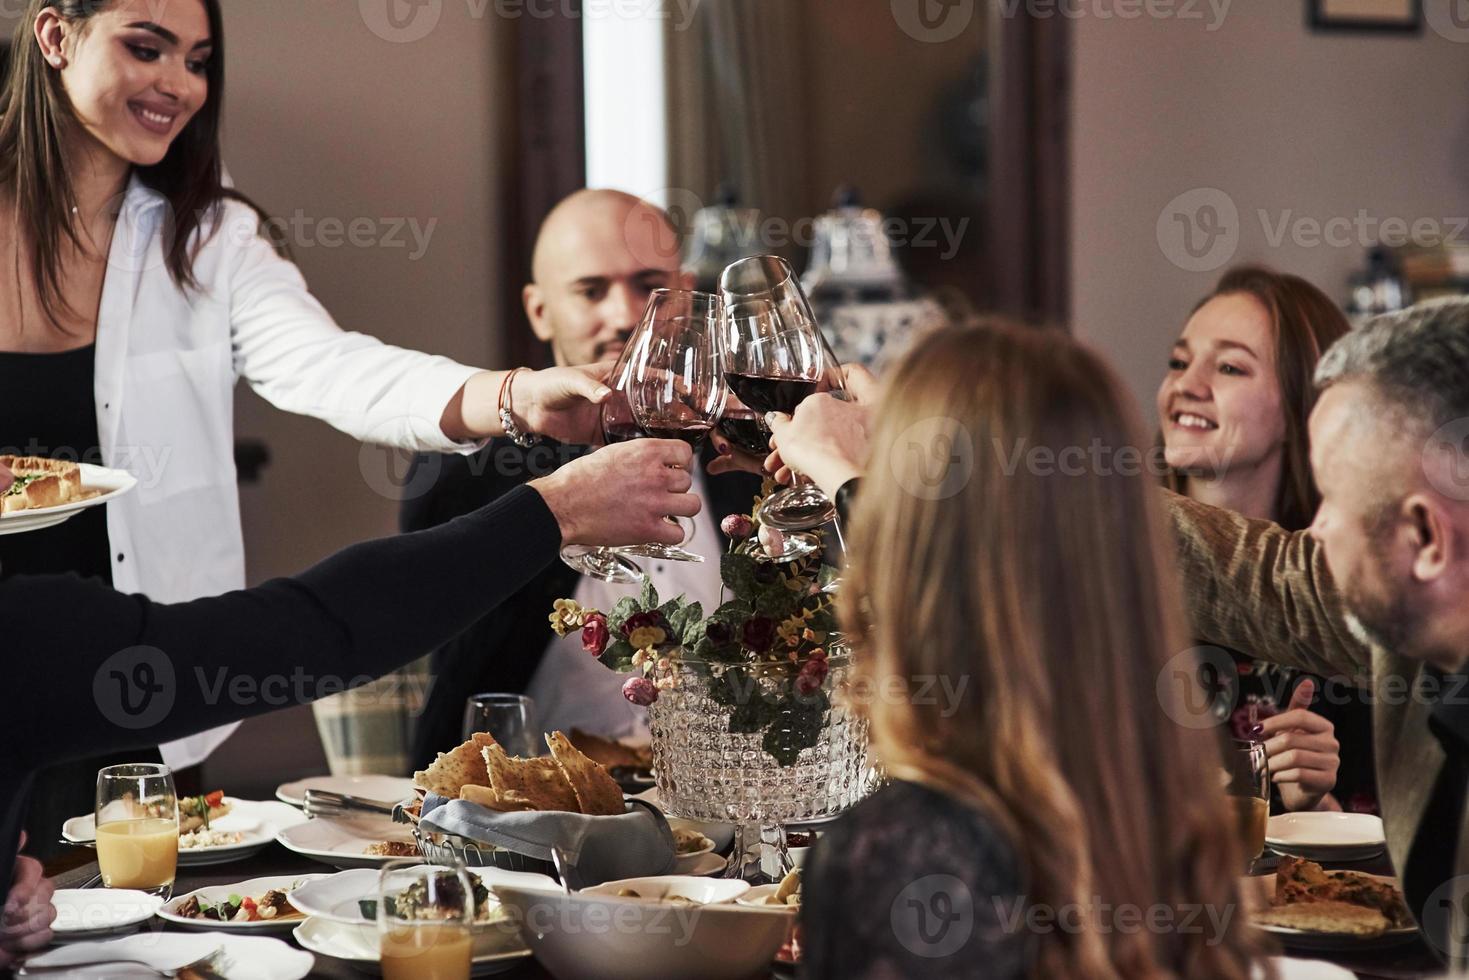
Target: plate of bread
1307 907
46 492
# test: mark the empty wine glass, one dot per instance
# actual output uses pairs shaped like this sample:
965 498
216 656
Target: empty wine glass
774 356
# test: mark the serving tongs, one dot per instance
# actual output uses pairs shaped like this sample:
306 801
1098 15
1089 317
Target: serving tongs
325 803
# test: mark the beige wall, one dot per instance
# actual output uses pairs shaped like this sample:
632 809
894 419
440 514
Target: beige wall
327 118
1275 116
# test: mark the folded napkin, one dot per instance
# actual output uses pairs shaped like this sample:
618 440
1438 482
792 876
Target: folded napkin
631 845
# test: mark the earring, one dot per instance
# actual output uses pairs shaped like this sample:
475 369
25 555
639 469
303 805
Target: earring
58 61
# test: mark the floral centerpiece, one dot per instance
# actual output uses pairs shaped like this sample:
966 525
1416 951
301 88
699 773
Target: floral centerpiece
764 654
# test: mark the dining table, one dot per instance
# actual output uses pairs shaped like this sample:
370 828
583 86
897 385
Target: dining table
1410 961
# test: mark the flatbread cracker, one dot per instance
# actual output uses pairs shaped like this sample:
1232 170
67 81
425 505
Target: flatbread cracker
486 797
457 768
540 781
596 792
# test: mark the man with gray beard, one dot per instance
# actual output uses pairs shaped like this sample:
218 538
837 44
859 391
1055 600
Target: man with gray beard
1377 589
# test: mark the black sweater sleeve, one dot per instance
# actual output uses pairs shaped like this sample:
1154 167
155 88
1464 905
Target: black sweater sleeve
88 667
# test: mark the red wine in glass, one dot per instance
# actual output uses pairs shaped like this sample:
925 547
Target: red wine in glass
742 427
618 424
691 431
763 394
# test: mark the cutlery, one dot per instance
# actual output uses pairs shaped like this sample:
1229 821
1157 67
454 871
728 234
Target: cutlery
323 803
565 870
208 966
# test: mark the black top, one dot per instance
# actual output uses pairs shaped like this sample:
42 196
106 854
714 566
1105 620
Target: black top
139 673
51 411
1431 859
501 652
912 883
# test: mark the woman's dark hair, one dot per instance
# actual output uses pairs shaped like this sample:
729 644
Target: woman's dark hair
34 118
1304 323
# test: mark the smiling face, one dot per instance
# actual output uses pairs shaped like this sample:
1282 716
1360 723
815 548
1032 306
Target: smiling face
1220 402
134 73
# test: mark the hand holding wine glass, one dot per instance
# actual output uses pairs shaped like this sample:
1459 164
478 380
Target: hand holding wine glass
826 439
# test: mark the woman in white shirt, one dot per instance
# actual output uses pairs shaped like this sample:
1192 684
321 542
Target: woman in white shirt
143 290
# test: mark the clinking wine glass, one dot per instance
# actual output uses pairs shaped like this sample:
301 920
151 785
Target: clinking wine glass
774 356
137 828
674 387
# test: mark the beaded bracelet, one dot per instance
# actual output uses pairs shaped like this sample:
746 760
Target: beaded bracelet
507 421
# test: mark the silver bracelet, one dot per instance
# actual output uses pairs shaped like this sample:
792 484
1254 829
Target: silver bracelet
507 421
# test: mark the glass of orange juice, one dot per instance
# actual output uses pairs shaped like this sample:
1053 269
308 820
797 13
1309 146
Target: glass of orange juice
137 827
425 917
1249 794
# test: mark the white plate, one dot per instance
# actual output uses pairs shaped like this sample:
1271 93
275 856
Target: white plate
112 483
384 789
337 898
703 865
342 844
258 822
494 952
756 898
245 957
1299 939
1326 836
88 913
253 888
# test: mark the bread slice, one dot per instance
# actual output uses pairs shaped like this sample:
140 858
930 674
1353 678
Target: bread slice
539 782
1337 918
457 768
596 792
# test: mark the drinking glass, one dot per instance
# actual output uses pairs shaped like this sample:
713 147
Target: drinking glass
774 356
138 828
510 718
674 388
425 914
1249 794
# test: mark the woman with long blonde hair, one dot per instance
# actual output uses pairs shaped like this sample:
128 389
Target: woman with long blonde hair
1008 597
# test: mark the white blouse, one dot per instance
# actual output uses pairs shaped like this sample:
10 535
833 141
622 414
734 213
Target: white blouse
167 362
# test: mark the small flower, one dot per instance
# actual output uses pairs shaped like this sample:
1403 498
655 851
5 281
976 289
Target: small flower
737 527
594 634
759 633
812 673
567 615
666 683
664 663
640 691
719 634
640 657
771 540
638 621
647 636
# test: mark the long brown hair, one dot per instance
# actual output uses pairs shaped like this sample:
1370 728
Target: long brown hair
35 121
1038 573
1304 323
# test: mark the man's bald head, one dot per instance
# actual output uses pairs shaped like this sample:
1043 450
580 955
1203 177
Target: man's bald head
598 256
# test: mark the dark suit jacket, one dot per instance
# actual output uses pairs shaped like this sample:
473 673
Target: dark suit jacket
502 651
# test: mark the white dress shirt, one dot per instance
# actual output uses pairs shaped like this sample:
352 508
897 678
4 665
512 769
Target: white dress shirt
571 688
167 362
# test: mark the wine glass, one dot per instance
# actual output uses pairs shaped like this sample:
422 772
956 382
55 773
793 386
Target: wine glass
774 356
612 564
1249 794
137 828
674 388
425 918
510 718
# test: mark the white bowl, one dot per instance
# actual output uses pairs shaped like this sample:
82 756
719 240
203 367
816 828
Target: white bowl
705 891
597 937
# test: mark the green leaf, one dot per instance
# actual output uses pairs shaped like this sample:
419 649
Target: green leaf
649 598
733 613
777 602
687 624
738 572
618 655
751 716
732 688
621 613
825 620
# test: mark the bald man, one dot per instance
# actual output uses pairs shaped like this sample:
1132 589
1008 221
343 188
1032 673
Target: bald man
598 257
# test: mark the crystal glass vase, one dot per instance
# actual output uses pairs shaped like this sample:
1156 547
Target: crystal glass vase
705 772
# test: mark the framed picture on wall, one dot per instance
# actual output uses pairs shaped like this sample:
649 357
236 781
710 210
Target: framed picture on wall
1403 16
